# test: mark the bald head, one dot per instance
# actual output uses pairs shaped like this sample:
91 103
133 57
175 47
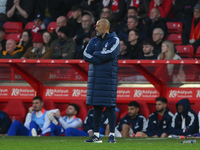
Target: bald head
61 21
102 27
10 46
105 23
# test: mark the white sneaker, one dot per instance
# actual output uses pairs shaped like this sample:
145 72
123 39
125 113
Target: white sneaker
52 118
34 132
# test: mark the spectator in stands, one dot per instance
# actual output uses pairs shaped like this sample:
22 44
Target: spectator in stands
134 46
159 122
191 32
132 24
63 47
39 24
107 13
148 47
61 123
50 9
60 21
165 7
84 34
131 11
3 16
12 50
46 35
39 50
20 10
88 127
2 39
158 37
168 52
5 123
118 7
183 10
36 120
175 72
92 6
132 123
141 5
185 120
123 50
154 21
26 40
74 23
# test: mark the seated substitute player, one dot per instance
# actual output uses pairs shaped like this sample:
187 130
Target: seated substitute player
185 120
36 120
68 121
132 122
160 121
88 126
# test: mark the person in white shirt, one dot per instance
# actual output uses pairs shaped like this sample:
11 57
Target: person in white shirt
36 121
61 123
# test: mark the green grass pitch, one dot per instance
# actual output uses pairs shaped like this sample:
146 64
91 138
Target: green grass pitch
77 143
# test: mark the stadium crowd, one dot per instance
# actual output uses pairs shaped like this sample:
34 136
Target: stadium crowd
141 25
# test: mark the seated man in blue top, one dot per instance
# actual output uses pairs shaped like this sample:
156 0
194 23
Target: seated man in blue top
88 127
160 121
185 120
36 120
132 122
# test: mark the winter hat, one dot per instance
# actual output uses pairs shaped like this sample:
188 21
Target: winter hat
64 30
39 16
197 6
38 38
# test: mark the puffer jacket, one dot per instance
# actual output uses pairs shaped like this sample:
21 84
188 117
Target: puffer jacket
102 54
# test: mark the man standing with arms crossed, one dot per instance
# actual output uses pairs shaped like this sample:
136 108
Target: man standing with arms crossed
102 54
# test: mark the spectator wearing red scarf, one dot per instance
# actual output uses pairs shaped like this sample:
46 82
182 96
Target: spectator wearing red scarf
191 33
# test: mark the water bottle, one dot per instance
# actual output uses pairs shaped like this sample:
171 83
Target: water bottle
189 141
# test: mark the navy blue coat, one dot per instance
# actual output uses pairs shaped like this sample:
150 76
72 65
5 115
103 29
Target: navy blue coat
156 127
102 54
137 124
190 120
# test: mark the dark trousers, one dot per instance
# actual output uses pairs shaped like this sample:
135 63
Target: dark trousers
111 118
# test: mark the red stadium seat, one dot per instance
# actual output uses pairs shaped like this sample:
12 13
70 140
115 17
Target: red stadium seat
29 25
14 36
51 26
197 54
49 104
175 27
175 38
185 51
12 27
15 110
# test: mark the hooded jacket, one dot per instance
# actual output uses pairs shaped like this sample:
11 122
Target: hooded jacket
185 123
18 52
103 70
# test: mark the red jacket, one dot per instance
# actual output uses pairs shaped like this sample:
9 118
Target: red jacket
165 8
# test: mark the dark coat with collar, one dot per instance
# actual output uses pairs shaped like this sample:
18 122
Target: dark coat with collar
103 70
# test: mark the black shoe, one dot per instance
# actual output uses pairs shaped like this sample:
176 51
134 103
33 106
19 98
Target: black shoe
94 139
111 139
